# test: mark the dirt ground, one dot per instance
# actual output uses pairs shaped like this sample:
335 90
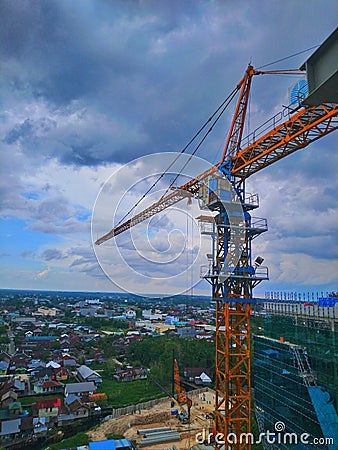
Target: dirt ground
160 416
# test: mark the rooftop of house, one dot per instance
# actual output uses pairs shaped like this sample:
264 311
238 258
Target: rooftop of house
73 388
48 403
86 372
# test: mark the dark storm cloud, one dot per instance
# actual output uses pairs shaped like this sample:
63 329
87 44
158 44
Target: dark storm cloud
151 72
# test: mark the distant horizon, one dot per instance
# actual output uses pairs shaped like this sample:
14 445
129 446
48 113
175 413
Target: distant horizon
260 296
104 292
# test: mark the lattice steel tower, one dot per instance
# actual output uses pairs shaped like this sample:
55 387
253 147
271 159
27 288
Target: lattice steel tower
232 276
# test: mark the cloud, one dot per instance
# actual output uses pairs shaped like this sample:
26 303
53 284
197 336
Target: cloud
43 273
52 254
111 83
27 254
89 85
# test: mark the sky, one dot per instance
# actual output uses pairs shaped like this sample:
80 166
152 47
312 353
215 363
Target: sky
96 94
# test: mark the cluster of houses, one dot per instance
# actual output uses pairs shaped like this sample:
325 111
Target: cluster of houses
45 374
57 402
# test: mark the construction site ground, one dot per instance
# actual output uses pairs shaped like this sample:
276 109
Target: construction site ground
160 416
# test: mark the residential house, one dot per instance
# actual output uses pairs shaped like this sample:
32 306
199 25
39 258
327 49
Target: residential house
26 426
15 409
8 398
48 387
133 338
130 315
65 416
131 374
44 311
68 361
187 332
204 335
36 364
80 388
10 428
40 424
203 379
53 365
79 409
37 332
44 374
4 356
19 363
16 384
198 375
61 374
85 373
4 414
47 408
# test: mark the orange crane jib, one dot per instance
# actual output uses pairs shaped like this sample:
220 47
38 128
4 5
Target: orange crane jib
233 362
301 129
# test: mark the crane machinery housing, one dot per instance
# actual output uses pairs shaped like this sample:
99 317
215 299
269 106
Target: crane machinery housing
232 273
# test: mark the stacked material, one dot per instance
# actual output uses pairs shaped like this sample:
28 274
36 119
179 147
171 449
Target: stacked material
147 431
153 436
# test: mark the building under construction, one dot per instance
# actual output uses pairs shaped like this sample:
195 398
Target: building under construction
295 373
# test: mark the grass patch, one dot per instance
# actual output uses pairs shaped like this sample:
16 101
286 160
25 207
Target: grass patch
27 401
122 394
72 442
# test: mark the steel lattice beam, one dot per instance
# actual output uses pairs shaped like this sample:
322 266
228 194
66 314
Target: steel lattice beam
165 202
300 130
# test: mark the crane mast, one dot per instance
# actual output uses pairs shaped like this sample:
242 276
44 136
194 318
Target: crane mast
232 273
232 277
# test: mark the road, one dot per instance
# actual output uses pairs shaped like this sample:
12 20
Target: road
11 345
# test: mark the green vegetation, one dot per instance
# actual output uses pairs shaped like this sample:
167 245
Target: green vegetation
27 401
122 394
3 330
71 442
114 436
157 354
255 432
100 323
257 324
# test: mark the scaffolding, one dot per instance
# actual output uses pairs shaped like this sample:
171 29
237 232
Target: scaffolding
287 391
319 341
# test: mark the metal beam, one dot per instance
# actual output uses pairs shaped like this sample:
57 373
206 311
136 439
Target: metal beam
300 130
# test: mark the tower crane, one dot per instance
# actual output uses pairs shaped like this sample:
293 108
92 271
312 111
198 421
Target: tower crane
233 274
183 415
182 397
